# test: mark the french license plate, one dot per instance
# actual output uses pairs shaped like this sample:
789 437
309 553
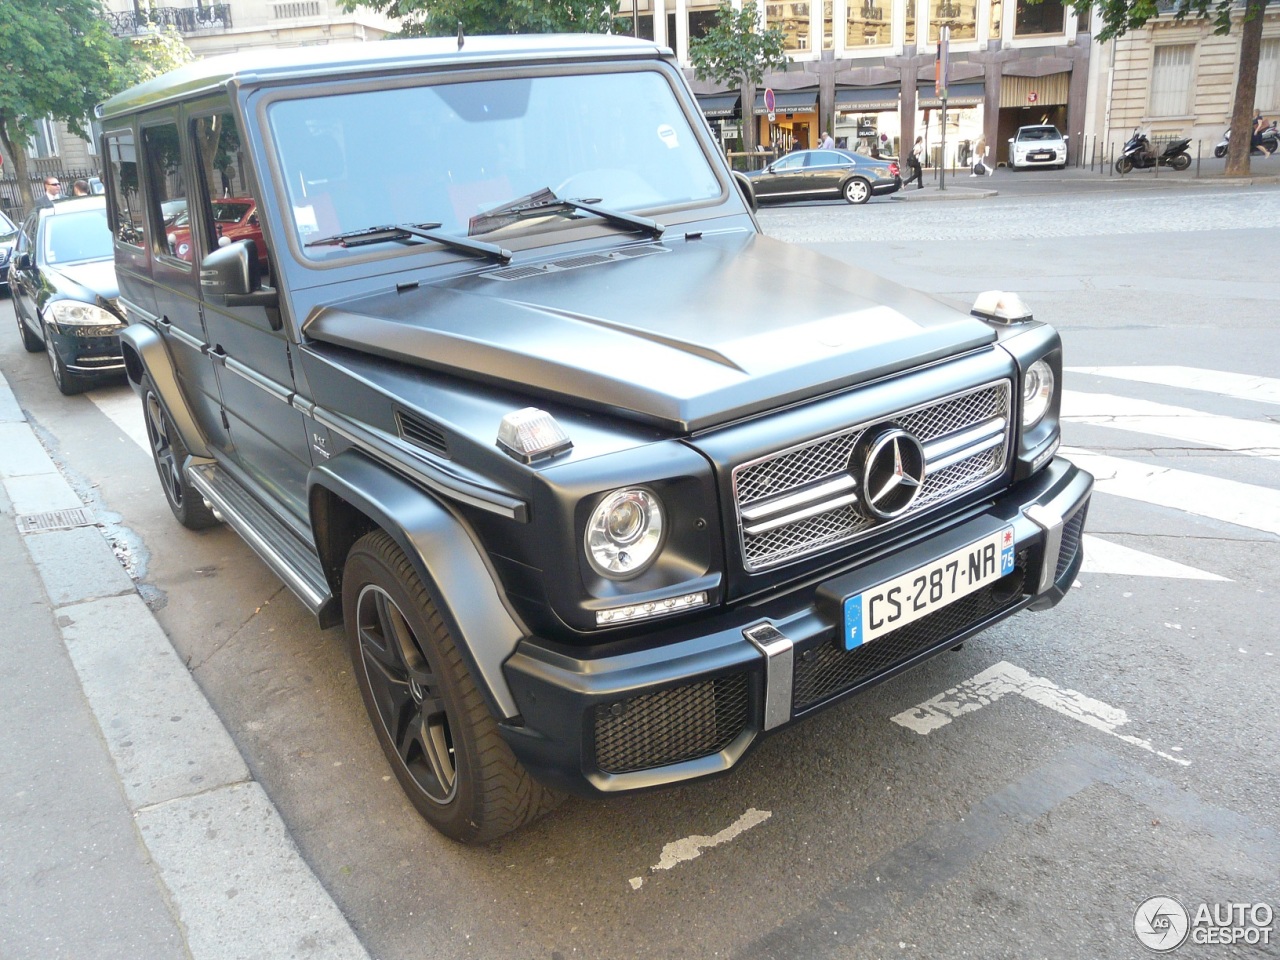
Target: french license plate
1040 156
907 598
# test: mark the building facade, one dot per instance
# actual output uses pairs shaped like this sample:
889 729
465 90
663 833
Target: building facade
864 69
1178 79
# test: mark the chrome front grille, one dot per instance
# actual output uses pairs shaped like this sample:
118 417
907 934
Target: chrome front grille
804 499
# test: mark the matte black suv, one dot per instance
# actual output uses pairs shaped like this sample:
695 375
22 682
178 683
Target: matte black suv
604 483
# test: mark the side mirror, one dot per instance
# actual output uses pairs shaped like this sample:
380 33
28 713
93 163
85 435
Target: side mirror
1065 137
744 187
23 261
232 276
1011 139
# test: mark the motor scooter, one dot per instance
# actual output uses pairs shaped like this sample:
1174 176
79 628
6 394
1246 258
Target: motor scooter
1138 153
1270 137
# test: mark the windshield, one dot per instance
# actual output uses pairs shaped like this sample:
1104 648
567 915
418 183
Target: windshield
1039 133
446 153
6 225
72 237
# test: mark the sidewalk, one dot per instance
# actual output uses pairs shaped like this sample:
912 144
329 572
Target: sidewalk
130 826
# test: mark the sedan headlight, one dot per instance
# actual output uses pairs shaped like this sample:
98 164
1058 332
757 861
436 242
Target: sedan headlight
74 313
1037 393
624 533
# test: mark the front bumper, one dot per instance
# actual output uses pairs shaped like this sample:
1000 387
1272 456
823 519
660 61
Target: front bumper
694 706
1054 158
88 351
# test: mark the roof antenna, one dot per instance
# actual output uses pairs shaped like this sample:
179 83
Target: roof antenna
461 38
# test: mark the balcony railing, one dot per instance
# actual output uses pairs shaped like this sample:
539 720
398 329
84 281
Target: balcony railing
185 20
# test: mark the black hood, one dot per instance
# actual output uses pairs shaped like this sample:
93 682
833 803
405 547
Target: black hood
685 334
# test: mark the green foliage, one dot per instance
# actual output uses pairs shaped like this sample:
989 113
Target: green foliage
1121 16
149 55
734 50
441 18
58 58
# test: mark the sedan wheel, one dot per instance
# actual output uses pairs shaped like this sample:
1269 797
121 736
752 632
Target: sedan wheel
30 342
68 383
857 191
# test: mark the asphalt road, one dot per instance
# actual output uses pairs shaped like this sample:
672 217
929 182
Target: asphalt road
1119 747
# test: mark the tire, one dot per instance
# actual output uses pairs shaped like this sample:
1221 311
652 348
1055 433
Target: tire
433 725
1124 165
1180 161
1219 152
30 342
856 190
170 453
68 383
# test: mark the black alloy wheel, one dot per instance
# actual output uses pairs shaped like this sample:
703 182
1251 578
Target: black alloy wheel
30 342
433 725
68 383
170 453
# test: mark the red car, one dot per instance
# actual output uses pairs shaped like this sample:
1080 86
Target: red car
234 218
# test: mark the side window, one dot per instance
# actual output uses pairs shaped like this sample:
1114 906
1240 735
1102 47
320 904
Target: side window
228 196
122 171
168 214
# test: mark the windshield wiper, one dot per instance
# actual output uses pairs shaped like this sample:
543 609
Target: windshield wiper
403 231
544 201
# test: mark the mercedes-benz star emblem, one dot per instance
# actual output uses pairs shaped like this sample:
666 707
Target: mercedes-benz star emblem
892 473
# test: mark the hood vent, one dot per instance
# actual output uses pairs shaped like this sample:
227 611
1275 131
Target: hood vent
573 263
421 433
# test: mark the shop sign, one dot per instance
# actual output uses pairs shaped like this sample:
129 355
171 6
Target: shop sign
1032 97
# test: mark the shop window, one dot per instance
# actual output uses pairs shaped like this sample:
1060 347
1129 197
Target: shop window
1034 19
1171 80
960 17
793 20
122 171
869 24
1268 95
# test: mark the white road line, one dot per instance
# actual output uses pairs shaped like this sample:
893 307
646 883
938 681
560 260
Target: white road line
680 851
1244 504
1252 437
1102 556
1004 678
124 409
1239 385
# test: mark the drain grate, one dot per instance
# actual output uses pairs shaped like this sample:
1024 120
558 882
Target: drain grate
55 520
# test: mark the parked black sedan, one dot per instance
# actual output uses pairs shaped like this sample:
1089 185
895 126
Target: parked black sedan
8 237
825 174
63 284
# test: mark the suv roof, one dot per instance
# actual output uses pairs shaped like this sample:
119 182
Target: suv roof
214 73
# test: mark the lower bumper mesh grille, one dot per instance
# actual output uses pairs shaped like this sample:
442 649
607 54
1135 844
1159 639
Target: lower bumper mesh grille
683 723
1072 531
827 670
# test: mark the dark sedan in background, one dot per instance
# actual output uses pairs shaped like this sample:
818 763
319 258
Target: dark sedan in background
825 174
8 237
63 284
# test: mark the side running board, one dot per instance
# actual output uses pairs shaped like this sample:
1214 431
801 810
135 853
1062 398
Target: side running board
292 560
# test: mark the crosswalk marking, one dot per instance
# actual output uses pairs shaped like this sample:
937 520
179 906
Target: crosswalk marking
1231 501
1238 385
1104 557
1252 437
124 409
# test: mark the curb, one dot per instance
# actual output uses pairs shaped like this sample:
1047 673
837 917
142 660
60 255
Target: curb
934 194
236 882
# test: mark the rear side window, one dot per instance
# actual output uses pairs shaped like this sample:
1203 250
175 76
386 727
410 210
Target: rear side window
168 185
122 171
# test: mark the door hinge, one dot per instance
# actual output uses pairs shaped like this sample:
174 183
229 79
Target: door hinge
226 424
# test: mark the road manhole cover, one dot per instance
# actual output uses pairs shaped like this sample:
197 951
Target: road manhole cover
55 520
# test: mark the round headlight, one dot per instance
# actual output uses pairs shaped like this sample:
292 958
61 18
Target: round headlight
1037 393
624 533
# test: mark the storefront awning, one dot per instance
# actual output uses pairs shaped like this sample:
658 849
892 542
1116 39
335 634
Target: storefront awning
958 95
851 99
789 101
718 104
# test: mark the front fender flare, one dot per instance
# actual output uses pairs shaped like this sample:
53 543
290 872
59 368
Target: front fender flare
444 552
145 352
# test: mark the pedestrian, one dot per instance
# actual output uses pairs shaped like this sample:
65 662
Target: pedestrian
827 142
80 188
52 192
915 162
980 167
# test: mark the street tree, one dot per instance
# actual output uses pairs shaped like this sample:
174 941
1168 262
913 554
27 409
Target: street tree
150 54
1121 16
59 59
444 18
737 51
